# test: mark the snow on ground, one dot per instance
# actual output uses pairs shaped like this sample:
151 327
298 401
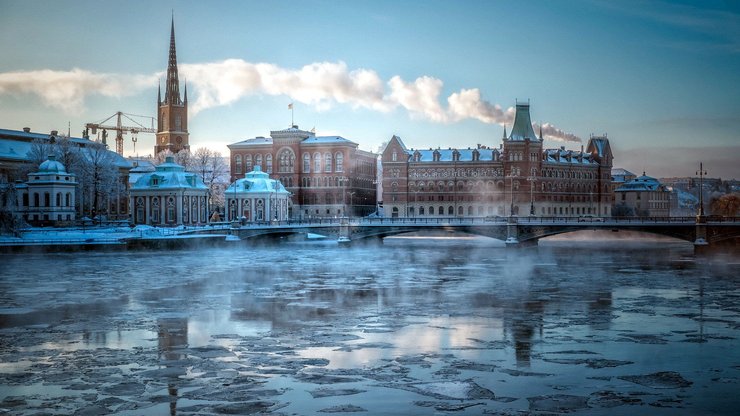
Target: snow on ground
95 234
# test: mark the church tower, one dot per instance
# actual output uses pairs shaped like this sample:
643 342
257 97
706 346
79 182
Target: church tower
172 114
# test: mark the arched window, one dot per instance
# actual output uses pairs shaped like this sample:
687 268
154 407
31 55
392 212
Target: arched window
339 162
306 163
287 160
248 163
317 162
450 211
431 210
327 162
178 123
47 199
421 210
268 162
238 163
59 200
258 161
36 202
441 211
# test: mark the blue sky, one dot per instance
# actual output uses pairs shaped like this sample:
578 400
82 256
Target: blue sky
661 78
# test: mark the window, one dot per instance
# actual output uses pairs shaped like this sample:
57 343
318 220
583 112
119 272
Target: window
238 163
47 199
59 200
258 161
339 162
394 156
35 200
327 162
317 162
178 123
306 163
248 163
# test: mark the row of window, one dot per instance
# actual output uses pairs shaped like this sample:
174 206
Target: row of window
62 200
286 162
489 210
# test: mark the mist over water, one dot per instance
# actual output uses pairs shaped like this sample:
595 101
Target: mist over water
416 326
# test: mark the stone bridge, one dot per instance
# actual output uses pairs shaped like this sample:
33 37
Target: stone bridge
513 230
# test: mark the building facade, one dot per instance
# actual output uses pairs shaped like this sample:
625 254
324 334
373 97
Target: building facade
169 196
21 151
48 197
327 176
172 114
517 178
257 198
645 197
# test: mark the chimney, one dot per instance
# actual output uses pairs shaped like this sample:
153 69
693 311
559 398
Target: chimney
26 129
54 132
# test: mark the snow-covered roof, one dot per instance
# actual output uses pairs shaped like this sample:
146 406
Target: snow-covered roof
446 155
256 181
16 145
641 183
51 165
571 157
327 140
169 175
621 172
257 141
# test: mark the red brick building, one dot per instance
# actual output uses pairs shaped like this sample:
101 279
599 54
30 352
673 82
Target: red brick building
328 176
519 177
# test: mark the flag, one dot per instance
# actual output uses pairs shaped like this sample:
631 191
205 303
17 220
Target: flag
290 106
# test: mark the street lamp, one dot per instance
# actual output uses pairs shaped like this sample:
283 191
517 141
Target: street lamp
350 200
701 172
531 181
511 189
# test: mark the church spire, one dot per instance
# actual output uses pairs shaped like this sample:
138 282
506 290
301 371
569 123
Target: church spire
172 90
504 131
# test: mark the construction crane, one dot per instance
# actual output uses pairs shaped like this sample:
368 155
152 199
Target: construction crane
120 129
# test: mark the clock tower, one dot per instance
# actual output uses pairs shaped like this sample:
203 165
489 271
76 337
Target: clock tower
172 114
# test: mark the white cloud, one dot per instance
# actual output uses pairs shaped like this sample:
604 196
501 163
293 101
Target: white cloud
67 90
320 84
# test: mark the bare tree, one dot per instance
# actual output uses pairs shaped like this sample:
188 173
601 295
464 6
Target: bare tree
99 178
182 158
211 167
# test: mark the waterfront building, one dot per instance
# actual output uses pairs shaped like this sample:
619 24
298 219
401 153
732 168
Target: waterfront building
48 197
327 176
172 114
21 151
517 178
257 198
645 196
169 196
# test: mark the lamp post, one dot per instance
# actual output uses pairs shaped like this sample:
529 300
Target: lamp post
511 189
350 200
531 181
701 172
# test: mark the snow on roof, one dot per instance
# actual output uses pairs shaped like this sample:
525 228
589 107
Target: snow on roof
327 140
568 157
257 181
257 141
641 183
169 175
445 155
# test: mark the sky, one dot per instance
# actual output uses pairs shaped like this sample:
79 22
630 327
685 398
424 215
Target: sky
662 79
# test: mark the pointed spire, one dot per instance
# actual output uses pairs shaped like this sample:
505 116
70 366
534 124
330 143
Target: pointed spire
159 93
172 87
504 131
185 96
541 136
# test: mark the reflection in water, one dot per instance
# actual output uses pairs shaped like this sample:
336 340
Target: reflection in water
172 336
256 329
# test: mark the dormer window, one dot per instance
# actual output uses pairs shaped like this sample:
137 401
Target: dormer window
436 156
155 181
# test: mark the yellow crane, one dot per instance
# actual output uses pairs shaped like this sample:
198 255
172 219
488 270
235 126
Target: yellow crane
120 129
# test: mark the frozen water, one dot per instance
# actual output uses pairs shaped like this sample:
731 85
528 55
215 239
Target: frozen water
410 327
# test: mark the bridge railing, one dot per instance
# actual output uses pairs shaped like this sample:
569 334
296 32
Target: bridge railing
421 221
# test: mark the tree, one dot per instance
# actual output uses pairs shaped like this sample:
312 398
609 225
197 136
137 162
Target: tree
727 205
182 158
99 178
211 167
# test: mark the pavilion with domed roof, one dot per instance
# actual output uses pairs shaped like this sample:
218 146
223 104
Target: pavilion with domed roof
48 196
257 198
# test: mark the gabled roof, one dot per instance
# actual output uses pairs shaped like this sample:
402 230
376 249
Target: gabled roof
568 157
